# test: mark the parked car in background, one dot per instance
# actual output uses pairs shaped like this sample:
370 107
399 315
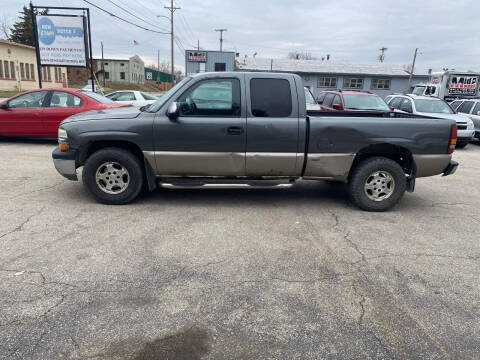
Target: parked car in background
338 100
97 89
470 108
310 100
435 107
130 97
38 113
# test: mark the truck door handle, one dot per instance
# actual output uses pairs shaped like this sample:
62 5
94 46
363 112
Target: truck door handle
235 130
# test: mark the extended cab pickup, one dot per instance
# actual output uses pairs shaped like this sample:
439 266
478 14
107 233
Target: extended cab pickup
244 129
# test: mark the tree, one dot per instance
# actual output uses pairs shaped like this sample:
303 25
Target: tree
22 31
4 27
301 56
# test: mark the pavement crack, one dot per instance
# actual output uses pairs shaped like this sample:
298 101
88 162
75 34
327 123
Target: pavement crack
38 190
22 224
449 204
354 246
361 303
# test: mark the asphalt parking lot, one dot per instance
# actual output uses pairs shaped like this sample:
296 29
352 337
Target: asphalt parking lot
245 274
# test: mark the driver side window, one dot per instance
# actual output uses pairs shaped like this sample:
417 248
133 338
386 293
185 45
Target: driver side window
216 97
30 100
406 105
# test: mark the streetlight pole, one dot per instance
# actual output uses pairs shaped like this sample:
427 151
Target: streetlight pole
221 37
412 69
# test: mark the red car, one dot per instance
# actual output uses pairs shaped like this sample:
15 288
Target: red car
347 100
38 113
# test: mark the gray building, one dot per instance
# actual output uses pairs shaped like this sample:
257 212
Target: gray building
131 70
379 78
197 61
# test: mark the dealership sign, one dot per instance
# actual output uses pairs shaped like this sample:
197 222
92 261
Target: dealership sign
463 85
61 40
197 56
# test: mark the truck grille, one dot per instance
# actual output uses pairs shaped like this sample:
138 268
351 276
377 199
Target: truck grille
462 127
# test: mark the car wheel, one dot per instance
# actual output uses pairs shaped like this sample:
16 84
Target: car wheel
377 184
113 176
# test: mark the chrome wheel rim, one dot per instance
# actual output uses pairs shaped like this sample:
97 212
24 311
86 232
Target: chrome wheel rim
379 186
112 178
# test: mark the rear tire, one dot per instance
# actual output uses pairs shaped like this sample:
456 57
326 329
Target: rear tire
113 176
377 184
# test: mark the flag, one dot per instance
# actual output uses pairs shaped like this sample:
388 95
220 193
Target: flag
135 42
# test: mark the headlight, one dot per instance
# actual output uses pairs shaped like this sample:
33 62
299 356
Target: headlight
63 139
470 126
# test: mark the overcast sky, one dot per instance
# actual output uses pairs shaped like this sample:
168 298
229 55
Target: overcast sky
447 33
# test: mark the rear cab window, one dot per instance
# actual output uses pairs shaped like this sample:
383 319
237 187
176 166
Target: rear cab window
270 97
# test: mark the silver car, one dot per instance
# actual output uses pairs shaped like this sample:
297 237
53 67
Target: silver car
470 108
435 107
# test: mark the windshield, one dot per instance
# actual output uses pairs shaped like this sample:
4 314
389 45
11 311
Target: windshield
159 103
433 106
308 97
100 98
418 90
365 102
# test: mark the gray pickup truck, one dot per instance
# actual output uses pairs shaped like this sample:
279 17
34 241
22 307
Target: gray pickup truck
244 129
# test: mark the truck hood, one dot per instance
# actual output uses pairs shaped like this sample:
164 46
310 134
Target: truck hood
105 114
457 117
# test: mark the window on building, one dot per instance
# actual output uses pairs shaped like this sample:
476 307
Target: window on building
270 97
352 83
6 69
1 69
122 64
30 100
216 97
46 74
27 71
12 70
22 71
220 66
106 64
64 99
122 76
327 82
55 70
107 75
32 72
380 84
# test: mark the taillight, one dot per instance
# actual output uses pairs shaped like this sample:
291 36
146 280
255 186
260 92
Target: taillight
453 139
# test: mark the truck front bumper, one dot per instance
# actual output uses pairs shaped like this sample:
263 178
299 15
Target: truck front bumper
65 163
451 168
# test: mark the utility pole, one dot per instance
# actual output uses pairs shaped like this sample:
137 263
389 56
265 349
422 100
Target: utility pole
172 10
103 67
198 45
381 58
221 37
412 69
158 66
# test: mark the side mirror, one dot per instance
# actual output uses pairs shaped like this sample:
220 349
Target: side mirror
4 106
478 113
172 111
337 106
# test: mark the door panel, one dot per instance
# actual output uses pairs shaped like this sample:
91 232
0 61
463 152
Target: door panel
61 105
209 136
24 115
272 126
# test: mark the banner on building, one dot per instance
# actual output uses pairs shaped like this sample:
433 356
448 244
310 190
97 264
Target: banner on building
197 56
62 40
463 85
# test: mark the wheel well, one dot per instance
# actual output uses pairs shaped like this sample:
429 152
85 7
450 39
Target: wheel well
396 153
102 144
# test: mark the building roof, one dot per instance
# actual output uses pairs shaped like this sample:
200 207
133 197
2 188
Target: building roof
11 43
323 67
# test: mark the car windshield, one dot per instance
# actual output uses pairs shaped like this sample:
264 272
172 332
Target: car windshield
418 90
159 103
100 98
308 97
365 102
435 106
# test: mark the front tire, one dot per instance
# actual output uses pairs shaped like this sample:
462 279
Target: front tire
113 176
377 184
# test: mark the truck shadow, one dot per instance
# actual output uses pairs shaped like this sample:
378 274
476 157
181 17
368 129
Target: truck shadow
19 140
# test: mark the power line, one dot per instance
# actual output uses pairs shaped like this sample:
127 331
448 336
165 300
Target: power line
124 20
129 12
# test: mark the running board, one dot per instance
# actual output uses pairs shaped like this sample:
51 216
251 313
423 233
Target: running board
223 186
